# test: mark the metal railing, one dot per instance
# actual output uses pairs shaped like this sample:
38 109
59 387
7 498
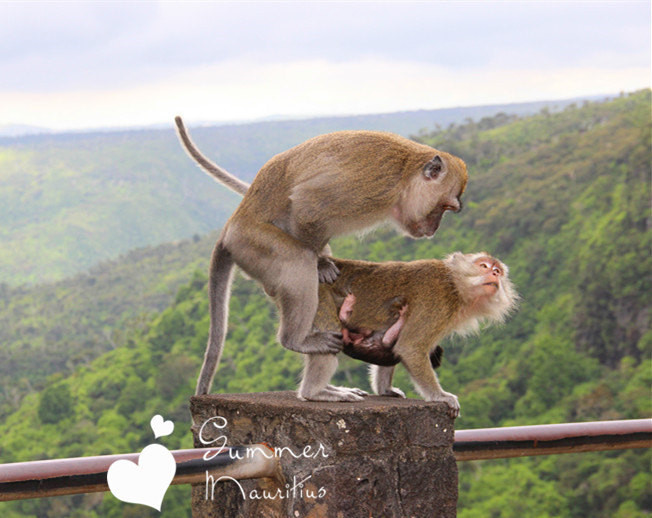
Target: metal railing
57 477
89 474
547 439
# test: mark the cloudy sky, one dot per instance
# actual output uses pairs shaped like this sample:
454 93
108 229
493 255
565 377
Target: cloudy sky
68 65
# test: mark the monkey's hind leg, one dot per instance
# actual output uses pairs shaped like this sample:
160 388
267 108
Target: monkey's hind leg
318 370
380 379
219 283
288 272
297 301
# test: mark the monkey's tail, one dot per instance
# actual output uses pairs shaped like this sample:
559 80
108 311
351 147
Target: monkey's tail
219 286
221 175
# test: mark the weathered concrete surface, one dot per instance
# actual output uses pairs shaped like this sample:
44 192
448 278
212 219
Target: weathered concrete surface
384 457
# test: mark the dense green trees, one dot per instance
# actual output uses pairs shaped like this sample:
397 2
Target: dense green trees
562 198
54 328
55 403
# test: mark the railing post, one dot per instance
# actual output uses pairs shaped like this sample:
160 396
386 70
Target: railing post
384 457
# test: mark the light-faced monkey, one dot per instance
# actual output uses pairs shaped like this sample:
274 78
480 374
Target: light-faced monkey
330 185
398 312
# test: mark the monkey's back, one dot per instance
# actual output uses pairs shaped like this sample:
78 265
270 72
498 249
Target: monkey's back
353 177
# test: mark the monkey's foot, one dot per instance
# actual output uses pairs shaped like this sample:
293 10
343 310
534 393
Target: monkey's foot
321 343
327 270
393 392
357 391
451 401
331 393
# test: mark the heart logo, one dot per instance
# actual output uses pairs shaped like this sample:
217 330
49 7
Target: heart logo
146 482
161 428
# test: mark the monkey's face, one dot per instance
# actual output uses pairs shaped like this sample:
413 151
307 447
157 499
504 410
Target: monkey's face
485 289
435 190
427 226
491 276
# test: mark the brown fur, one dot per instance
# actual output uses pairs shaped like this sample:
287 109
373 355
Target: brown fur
330 185
427 287
342 182
441 297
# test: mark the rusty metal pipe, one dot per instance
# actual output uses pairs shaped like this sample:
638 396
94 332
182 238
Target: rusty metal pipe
88 474
521 441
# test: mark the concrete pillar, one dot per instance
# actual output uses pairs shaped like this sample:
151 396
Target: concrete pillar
383 457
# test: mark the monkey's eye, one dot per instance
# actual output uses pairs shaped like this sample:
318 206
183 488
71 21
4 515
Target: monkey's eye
497 271
452 208
484 265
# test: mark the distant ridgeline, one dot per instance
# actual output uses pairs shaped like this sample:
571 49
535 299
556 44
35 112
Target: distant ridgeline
69 201
562 198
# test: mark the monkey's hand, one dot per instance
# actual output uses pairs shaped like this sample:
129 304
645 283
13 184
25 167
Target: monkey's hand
322 343
327 270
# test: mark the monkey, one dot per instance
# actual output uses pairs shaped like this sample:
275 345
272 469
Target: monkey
330 185
398 312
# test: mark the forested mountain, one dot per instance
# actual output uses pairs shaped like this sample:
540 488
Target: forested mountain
69 201
52 328
562 198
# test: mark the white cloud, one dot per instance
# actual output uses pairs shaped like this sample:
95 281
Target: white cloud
247 89
93 64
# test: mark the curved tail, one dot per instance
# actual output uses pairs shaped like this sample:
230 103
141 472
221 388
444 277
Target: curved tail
221 175
219 286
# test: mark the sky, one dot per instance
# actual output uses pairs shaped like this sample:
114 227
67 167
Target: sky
75 65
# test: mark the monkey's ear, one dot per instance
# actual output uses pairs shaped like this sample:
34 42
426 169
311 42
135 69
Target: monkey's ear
434 168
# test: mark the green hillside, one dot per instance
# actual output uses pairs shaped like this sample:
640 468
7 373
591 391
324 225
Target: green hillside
69 201
563 199
52 328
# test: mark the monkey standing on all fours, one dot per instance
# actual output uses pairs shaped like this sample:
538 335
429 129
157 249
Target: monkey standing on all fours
397 312
330 185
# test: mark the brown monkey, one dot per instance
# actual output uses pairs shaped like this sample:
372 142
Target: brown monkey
399 312
329 185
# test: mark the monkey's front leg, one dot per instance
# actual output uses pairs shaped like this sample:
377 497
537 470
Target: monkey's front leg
418 365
